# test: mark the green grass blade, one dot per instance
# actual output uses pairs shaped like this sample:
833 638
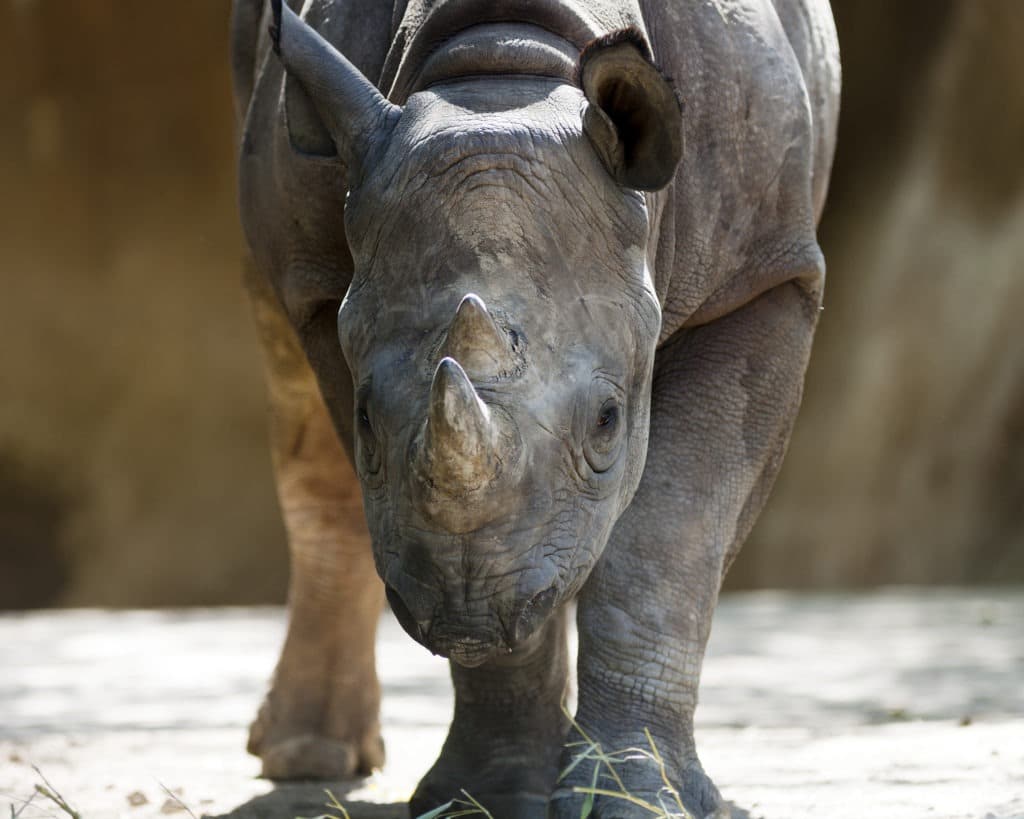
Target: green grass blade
582 755
437 812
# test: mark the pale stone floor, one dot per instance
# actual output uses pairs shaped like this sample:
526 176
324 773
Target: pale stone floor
897 704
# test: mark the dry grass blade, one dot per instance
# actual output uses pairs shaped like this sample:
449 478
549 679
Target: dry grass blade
468 806
606 762
577 759
479 808
24 804
332 802
177 800
51 793
624 796
664 775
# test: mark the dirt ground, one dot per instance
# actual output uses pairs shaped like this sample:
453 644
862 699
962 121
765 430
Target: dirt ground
898 705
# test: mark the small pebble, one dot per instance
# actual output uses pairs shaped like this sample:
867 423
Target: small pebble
137 798
171 806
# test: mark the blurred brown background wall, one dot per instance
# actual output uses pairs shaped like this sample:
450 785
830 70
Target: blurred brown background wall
133 464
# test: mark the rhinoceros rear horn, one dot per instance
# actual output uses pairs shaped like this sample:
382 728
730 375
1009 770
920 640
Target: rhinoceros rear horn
476 342
353 111
634 119
459 442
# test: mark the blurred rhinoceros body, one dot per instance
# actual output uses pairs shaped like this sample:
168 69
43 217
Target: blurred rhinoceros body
574 301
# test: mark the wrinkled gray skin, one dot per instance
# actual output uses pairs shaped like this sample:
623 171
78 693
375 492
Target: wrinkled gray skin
574 321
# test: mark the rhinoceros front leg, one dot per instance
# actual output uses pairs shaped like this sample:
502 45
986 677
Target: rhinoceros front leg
320 717
506 737
723 403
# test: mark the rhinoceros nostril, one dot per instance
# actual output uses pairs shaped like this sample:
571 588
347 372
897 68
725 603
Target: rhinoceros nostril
534 613
416 629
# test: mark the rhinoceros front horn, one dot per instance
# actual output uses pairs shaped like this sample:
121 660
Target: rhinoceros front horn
353 111
459 444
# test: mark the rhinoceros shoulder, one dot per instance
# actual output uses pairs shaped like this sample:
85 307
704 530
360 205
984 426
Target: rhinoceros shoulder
759 83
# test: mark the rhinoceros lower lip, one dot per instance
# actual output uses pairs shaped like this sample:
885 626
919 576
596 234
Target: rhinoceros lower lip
467 651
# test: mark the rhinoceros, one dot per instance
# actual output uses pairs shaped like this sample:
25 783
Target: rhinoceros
537 282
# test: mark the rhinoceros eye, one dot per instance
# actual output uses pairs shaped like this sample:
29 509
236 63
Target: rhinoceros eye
609 417
601 447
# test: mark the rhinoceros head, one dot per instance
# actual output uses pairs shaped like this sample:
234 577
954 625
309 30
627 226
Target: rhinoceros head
500 327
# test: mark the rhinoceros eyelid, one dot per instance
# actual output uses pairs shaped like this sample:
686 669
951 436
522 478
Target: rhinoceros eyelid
604 386
610 379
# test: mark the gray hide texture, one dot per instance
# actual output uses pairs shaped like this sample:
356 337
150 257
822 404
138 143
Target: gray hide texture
576 305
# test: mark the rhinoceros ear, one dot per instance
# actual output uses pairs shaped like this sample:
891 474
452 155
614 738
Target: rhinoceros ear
345 104
306 130
634 118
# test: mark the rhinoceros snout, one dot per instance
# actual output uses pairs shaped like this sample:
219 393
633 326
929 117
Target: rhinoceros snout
467 642
470 639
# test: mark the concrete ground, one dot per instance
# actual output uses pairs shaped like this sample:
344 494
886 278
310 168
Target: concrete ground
898 705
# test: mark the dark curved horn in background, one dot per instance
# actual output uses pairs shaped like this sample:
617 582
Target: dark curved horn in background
352 109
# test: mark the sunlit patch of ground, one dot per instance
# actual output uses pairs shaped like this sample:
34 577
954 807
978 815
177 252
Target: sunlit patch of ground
894 705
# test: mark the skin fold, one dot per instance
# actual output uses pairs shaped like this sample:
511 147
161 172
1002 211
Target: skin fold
536 320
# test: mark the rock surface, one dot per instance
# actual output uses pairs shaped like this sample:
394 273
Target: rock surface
897 704
133 441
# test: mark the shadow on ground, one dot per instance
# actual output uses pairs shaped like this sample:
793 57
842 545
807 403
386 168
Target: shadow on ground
310 799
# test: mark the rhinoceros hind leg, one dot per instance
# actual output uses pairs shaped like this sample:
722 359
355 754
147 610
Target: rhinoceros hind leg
320 718
312 756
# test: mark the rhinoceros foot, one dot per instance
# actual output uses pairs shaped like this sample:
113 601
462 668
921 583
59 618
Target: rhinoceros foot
287 751
510 782
699 797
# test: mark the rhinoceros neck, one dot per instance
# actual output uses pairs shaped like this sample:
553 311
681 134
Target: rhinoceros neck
495 49
440 40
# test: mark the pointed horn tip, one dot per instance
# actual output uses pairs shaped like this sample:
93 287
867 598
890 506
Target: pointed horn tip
449 371
471 301
452 388
476 340
353 110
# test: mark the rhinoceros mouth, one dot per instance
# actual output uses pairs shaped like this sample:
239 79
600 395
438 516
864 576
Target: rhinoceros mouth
467 650
471 644
466 647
